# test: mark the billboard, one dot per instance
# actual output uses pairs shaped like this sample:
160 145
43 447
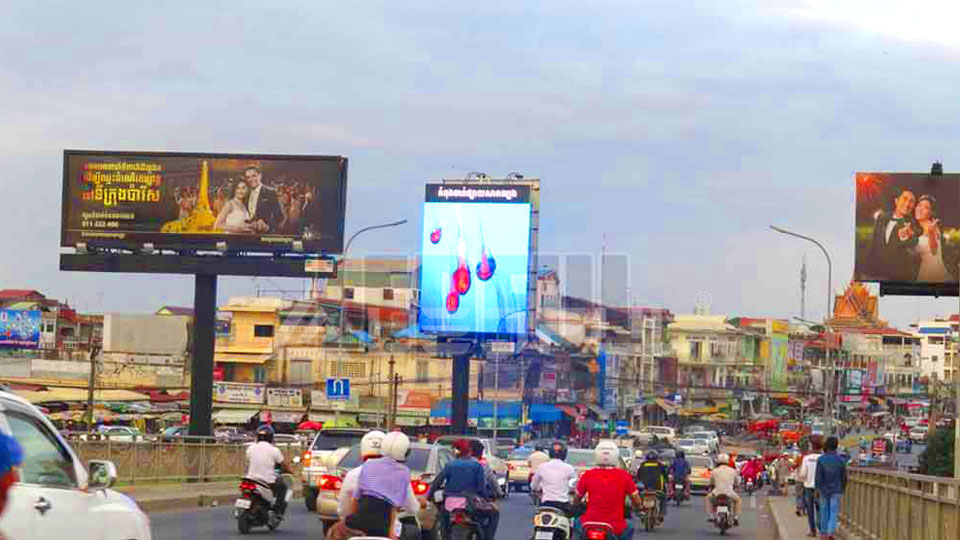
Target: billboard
19 328
254 203
475 254
907 228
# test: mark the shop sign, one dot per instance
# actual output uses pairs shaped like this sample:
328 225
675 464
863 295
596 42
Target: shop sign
284 397
224 392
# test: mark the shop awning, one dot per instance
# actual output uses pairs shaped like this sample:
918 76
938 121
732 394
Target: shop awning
283 417
80 394
241 358
233 416
544 412
332 420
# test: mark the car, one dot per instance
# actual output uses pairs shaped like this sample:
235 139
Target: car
710 439
231 435
125 434
497 465
320 455
694 446
790 432
518 469
425 461
56 495
626 453
700 470
174 434
647 434
918 434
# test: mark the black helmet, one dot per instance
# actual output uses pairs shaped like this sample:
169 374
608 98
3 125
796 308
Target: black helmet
265 433
680 454
558 450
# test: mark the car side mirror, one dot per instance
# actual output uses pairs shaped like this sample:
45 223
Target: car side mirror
103 474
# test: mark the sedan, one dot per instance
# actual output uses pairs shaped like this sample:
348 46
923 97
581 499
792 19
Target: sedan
918 434
425 462
700 470
694 446
518 468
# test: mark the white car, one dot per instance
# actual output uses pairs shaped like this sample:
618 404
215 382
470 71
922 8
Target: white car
918 434
661 432
694 446
56 497
710 437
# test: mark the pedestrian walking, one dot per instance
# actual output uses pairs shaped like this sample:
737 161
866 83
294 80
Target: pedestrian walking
806 479
831 482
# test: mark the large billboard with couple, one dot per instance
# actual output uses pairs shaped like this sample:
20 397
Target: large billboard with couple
907 228
180 201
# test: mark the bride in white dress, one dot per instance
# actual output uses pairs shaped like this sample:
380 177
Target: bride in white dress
234 217
930 244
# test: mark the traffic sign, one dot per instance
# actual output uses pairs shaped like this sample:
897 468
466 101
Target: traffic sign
338 389
622 426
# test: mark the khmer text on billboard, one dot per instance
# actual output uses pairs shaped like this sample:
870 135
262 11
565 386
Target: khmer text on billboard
19 328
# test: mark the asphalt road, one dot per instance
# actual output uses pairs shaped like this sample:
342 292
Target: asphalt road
516 513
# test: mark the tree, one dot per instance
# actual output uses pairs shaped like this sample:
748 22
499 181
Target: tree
937 459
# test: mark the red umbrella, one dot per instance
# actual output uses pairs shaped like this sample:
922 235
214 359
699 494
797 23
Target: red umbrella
310 425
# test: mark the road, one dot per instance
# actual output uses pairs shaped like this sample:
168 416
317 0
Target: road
687 522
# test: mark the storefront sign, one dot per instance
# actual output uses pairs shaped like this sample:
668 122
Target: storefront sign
224 392
284 397
318 400
285 417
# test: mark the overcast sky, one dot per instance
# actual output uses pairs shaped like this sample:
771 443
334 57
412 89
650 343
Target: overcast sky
679 130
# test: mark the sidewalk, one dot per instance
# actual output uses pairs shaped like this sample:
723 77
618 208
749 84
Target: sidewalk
173 497
789 526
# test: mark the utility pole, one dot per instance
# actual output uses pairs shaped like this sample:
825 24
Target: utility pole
391 410
496 392
94 351
523 393
803 287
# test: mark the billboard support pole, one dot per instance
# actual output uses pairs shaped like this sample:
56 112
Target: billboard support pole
201 379
460 396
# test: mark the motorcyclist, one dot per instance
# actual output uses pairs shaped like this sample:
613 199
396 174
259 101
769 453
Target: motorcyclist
460 479
370 448
605 487
680 471
653 475
382 488
553 479
488 513
264 459
723 481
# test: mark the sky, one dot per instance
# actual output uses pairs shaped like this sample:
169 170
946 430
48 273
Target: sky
672 133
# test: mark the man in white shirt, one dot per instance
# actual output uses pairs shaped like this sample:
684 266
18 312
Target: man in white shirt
553 479
724 480
369 449
808 474
264 458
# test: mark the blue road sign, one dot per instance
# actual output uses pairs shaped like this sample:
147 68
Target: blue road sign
622 426
338 389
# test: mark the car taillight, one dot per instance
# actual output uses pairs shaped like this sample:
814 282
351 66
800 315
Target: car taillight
419 488
305 460
596 534
328 482
510 467
459 518
247 486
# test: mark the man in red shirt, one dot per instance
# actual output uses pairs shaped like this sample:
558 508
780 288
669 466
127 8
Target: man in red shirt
605 487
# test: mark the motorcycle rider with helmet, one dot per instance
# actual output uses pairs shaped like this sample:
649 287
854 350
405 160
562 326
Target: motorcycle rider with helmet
723 480
264 458
460 479
553 479
382 488
653 475
680 470
370 448
605 487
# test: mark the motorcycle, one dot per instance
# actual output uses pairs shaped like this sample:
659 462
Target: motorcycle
254 508
679 493
462 525
749 487
649 512
595 530
551 524
722 518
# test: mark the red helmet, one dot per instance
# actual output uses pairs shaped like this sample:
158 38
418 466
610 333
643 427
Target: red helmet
462 446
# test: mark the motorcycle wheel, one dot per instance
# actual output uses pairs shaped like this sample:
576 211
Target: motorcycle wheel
243 523
679 499
460 533
649 522
310 500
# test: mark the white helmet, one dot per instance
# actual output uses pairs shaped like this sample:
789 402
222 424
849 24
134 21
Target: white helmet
607 454
396 445
723 459
371 443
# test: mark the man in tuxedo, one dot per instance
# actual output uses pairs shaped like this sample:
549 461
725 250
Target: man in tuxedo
894 238
262 202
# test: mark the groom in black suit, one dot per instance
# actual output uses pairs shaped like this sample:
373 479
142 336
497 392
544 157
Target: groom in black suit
892 256
262 202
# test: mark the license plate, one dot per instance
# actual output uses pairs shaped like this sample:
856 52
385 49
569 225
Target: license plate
678 486
722 509
242 503
544 535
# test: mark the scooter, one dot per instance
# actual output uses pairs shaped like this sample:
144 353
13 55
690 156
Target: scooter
462 524
749 487
649 513
254 508
551 524
679 492
595 530
722 518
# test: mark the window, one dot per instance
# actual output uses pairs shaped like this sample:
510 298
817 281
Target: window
695 347
388 294
301 371
263 330
45 461
934 358
259 375
348 293
423 370
348 369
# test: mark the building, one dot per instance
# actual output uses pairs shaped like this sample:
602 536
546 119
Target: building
937 339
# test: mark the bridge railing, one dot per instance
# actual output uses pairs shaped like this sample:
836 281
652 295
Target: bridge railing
887 505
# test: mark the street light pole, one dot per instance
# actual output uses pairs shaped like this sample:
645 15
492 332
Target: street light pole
827 405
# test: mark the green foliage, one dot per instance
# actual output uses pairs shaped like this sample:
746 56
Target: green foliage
937 459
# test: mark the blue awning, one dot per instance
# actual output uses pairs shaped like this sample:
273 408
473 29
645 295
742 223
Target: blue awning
479 409
544 412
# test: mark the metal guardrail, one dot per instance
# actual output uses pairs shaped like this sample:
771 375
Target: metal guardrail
886 505
183 460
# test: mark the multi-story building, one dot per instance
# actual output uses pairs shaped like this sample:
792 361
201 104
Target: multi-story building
712 353
937 338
